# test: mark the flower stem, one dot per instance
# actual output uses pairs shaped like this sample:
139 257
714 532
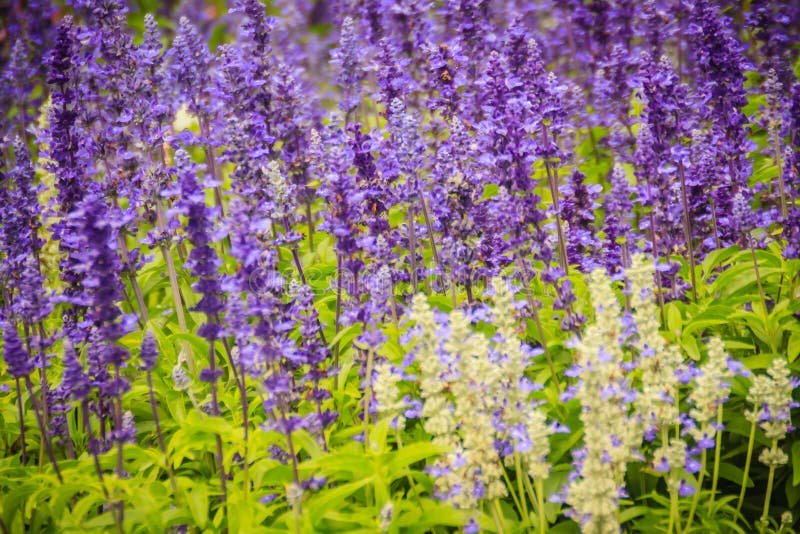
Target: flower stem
368 394
717 458
212 364
159 434
21 424
519 502
750 443
43 429
177 301
770 484
696 497
540 500
412 247
687 227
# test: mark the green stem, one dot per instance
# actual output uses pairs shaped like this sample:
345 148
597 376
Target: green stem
750 443
520 504
696 497
688 231
540 501
497 515
717 457
520 475
43 429
770 483
412 246
177 301
21 424
367 395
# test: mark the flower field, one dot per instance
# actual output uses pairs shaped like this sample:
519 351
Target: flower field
410 266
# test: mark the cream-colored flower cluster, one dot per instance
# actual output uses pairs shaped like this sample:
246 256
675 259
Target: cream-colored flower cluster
474 395
658 361
611 432
711 389
525 427
387 394
771 397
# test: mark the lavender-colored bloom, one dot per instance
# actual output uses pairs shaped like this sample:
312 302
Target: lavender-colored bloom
348 61
618 208
721 65
577 211
18 361
203 261
148 354
771 25
75 382
68 148
190 74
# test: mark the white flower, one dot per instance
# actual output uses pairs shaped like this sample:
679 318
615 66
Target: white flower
710 391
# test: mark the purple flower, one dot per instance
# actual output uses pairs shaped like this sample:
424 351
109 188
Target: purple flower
148 353
347 60
18 361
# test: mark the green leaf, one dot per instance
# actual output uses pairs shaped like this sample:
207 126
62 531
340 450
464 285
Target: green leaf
410 454
630 513
331 498
793 347
796 463
674 321
345 336
712 316
689 344
197 500
733 474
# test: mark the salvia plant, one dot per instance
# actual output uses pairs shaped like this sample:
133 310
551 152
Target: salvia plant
400 266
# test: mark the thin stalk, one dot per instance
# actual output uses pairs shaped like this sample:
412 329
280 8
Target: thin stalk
212 364
246 429
779 162
696 497
431 236
118 425
393 302
520 489
99 470
211 163
761 293
532 495
717 242
673 494
337 320
299 266
497 515
160 435
412 247
770 484
310 222
717 458
537 321
687 229
137 291
552 180
368 394
659 282
177 301
750 443
540 500
120 470
43 428
514 497
21 424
